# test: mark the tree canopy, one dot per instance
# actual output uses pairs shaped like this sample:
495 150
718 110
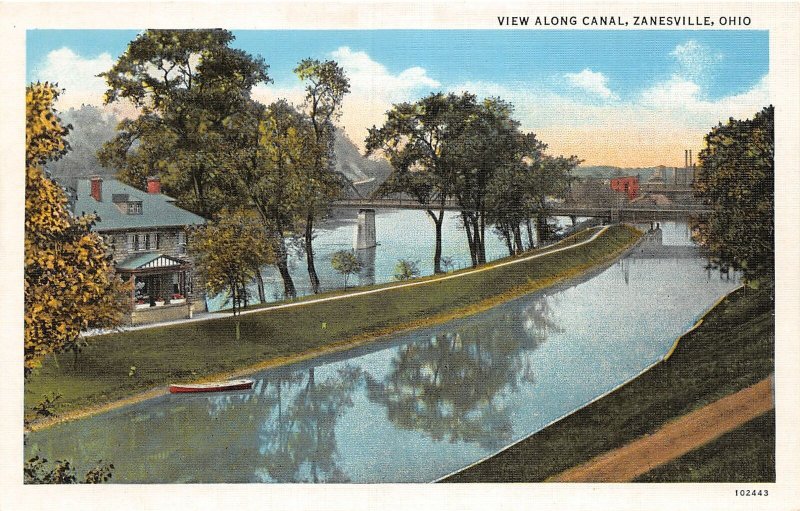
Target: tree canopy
737 179
69 278
228 252
185 84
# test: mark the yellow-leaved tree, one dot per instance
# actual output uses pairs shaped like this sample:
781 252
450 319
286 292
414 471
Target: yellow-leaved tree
70 283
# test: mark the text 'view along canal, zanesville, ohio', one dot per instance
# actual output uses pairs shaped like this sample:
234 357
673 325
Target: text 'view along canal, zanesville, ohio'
416 405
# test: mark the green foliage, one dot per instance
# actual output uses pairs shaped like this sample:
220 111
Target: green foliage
185 84
38 471
69 278
228 252
737 178
45 408
267 152
326 86
346 263
406 269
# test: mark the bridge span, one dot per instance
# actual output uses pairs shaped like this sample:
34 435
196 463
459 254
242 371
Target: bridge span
626 213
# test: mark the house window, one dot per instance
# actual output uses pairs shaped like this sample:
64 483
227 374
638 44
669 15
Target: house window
151 241
181 242
134 208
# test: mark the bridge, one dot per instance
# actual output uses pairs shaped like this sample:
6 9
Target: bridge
625 213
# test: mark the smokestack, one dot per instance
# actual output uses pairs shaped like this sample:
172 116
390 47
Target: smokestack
691 163
153 185
97 188
686 158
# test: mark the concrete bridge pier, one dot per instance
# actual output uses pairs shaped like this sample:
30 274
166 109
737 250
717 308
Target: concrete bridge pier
364 233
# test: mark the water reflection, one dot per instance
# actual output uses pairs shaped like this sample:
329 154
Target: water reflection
455 386
298 439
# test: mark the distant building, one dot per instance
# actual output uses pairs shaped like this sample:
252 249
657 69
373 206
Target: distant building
629 185
147 233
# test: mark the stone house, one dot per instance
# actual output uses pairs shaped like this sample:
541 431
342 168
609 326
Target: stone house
147 233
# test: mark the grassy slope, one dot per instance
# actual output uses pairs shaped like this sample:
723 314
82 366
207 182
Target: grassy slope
745 455
192 350
732 349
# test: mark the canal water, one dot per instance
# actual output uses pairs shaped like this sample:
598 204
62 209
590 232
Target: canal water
401 234
417 405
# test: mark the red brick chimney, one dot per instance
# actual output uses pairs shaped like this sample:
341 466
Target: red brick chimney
97 188
153 184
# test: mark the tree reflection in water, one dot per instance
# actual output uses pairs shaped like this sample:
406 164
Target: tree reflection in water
298 439
455 386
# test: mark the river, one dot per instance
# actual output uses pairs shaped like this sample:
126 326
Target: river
401 234
417 405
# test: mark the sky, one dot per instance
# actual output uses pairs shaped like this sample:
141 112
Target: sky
626 98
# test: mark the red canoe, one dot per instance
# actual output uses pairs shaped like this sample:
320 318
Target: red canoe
217 386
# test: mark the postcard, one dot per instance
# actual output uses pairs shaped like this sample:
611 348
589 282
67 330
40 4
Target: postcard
316 256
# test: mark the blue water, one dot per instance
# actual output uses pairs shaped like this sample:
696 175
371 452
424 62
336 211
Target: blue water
401 234
417 405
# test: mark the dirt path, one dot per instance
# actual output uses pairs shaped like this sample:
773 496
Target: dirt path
677 438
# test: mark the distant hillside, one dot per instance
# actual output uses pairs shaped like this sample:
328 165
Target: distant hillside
91 127
365 174
608 171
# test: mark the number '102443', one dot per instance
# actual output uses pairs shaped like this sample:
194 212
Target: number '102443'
752 493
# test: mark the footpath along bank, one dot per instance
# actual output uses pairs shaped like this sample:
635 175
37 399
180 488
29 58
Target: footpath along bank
121 368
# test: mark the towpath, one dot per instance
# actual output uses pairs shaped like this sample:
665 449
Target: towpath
676 438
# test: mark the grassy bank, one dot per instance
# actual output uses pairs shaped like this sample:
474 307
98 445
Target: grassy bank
119 365
746 454
731 350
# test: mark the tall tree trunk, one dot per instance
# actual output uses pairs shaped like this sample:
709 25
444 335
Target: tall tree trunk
518 239
530 233
312 271
482 239
542 231
281 261
507 239
262 296
437 253
470 239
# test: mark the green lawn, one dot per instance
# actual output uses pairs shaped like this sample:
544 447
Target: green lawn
745 455
731 350
190 351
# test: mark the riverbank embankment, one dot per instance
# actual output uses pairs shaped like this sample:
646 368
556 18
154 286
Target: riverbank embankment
121 368
732 349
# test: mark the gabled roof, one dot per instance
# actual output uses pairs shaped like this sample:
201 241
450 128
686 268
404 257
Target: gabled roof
149 260
158 209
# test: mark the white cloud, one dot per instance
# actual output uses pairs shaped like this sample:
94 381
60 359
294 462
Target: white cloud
76 74
370 77
695 60
594 83
651 128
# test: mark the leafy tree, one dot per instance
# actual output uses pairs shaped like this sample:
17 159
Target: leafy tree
736 179
228 253
185 84
406 270
326 86
487 142
419 140
346 263
70 284
38 471
266 150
